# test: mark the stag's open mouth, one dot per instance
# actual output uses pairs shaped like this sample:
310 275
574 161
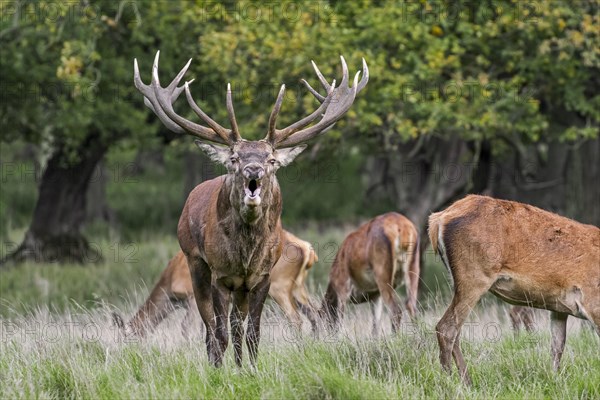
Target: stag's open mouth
252 192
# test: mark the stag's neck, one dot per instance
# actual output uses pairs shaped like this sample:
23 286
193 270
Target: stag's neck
253 220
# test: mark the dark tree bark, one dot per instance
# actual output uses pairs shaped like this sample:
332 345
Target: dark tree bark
97 203
562 178
197 168
153 159
55 231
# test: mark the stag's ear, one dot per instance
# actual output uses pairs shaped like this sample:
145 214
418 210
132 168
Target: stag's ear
286 156
218 154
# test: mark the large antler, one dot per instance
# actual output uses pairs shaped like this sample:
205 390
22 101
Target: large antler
160 100
333 106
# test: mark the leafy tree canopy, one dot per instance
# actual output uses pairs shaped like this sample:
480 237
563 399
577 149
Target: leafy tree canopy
509 70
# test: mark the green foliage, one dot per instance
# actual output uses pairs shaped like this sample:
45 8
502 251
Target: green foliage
66 73
501 71
484 70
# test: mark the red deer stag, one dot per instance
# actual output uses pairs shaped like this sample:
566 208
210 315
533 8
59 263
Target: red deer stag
522 254
371 262
230 228
174 288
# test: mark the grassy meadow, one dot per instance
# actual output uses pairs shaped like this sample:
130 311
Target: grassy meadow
58 341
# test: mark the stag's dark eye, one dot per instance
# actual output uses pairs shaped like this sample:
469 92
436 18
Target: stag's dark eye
233 160
273 161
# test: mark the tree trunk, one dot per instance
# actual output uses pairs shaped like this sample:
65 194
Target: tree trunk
197 168
97 204
564 180
55 231
150 159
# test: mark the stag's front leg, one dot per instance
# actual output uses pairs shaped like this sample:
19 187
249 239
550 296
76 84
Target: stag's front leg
221 297
201 282
256 300
239 312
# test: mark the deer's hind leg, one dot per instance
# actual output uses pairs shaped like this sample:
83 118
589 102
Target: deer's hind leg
377 312
448 329
384 266
521 317
281 292
558 326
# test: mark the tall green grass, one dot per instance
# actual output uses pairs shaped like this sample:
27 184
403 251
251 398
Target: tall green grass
77 364
57 341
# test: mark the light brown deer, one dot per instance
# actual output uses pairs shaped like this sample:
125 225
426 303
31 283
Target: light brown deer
371 262
525 256
230 227
522 317
174 288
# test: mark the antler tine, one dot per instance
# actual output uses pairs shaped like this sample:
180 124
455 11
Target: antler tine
365 78
344 72
174 97
150 100
337 103
160 100
318 95
173 85
218 129
190 127
322 79
234 126
355 82
284 133
272 132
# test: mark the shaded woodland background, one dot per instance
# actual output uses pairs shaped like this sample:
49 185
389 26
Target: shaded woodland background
493 97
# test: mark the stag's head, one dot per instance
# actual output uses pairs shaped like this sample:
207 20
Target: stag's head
251 165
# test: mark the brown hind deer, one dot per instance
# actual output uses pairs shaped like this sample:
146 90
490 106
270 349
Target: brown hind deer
230 228
174 288
375 258
522 254
521 317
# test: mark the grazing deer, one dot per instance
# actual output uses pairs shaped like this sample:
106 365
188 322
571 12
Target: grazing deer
174 288
521 317
525 256
371 262
230 228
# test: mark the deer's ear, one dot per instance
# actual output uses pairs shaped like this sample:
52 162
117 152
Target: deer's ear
218 154
286 156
